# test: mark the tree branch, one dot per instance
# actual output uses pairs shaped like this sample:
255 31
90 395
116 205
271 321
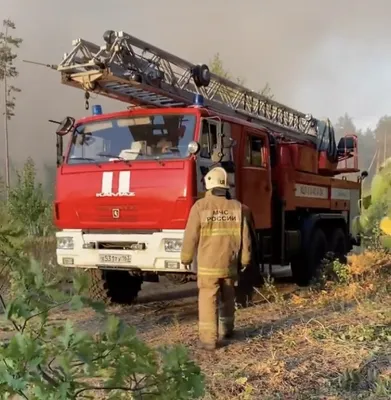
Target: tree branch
42 312
96 358
47 377
10 319
20 392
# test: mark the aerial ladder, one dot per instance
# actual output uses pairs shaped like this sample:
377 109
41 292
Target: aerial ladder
136 72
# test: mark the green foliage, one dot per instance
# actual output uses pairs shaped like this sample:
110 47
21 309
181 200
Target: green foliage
8 44
331 272
217 67
49 179
44 361
366 143
27 204
377 206
340 272
383 135
3 193
345 126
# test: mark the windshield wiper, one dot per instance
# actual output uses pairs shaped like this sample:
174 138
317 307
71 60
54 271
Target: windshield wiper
84 159
118 158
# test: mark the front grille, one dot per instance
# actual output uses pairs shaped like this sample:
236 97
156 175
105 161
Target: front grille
121 246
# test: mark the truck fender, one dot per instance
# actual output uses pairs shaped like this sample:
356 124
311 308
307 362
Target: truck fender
309 223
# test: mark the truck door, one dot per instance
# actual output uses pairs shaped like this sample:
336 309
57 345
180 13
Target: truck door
256 188
208 141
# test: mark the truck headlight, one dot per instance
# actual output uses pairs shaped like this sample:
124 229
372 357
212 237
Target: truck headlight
172 245
65 243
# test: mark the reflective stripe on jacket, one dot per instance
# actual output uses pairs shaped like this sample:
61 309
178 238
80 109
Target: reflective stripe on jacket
218 231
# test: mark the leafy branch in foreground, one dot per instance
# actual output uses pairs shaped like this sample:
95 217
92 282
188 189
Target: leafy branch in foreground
49 362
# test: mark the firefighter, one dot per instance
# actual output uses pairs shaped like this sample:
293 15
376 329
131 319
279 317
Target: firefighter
217 229
164 146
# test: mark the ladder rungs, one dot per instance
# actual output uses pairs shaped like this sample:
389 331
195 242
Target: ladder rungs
140 94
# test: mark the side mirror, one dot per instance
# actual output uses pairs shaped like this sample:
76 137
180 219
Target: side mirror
362 176
65 126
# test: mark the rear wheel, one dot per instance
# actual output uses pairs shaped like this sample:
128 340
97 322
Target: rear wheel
113 286
307 266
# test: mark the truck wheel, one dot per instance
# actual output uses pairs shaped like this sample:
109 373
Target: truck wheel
307 266
113 286
338 245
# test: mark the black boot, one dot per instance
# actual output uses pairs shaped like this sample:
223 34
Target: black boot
228 335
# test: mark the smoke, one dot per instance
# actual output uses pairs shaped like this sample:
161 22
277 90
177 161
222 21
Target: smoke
325 59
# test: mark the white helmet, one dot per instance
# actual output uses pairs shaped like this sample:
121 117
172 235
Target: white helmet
216 178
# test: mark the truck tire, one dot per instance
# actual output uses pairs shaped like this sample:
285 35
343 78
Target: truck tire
339 245
306 267
110 286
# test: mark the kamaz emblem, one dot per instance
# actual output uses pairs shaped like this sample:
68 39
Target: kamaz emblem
123 185
115 213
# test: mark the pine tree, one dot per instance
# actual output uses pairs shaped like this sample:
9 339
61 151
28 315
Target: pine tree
8 45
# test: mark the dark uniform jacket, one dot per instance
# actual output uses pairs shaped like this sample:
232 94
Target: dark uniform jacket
218 229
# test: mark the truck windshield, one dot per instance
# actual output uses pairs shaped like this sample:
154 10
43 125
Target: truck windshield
135 138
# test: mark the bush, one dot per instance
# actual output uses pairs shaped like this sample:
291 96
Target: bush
43 361
27 204
27 218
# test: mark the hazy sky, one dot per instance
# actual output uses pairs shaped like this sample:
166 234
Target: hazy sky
322 57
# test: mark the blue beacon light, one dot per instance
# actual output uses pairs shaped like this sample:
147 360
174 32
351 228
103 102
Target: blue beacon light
97 109
198 100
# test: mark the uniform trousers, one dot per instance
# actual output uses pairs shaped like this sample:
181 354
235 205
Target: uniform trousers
216 308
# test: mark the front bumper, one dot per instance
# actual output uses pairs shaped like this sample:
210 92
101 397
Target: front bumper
99 250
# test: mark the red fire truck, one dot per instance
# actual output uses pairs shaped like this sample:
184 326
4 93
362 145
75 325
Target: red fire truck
127 180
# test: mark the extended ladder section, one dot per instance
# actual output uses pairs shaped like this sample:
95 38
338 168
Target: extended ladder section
136 72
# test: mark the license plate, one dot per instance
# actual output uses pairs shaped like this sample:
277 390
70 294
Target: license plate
115 259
